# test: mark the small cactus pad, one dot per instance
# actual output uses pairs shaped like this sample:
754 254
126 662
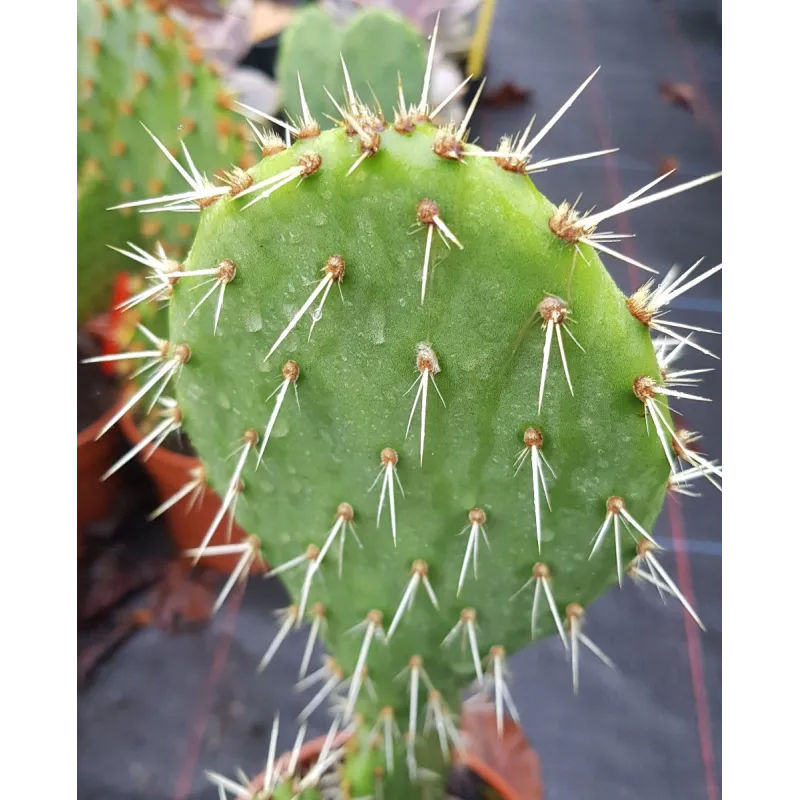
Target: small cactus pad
377 45
478 335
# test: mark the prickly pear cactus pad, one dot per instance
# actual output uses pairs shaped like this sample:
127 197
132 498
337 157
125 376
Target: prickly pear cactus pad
414 383
475 339
135 64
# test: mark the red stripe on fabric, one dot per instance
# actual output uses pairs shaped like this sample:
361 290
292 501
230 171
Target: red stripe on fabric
183 785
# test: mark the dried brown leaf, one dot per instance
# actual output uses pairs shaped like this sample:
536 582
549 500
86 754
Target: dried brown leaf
506 95
510 757
681 95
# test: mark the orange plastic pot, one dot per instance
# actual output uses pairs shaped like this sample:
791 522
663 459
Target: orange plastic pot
95 456
306 758
188 523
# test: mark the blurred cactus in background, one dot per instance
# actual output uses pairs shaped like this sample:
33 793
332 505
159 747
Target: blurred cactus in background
135 64
380 45
457 18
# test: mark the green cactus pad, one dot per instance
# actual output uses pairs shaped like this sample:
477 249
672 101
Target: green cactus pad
98 264
355 373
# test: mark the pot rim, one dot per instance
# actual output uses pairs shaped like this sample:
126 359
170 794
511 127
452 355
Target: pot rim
311 749
308 753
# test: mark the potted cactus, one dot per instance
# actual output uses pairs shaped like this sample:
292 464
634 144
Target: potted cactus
165 452
448 443
134 64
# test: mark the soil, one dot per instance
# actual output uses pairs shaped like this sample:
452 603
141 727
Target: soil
97 392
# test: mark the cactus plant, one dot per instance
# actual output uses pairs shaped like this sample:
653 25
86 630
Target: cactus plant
135 64
416 386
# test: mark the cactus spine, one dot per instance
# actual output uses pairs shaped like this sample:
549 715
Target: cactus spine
417 387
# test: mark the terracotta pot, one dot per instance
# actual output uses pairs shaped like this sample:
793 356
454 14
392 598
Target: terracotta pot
521 760
95 497
309 753
170 472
